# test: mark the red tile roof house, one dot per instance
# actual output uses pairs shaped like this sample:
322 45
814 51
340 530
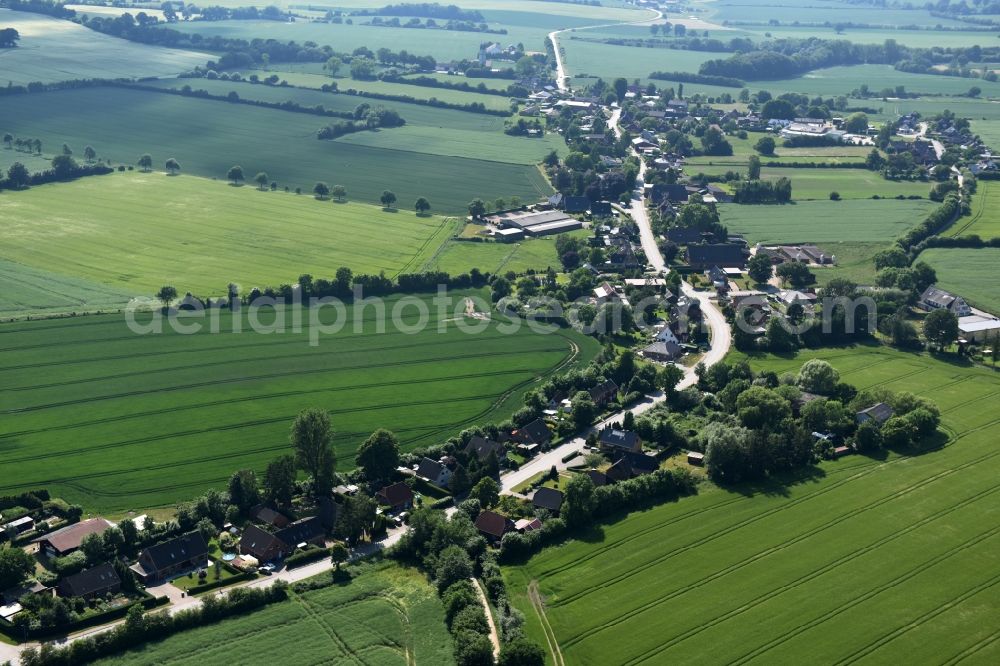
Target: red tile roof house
64 541
493 526
397 496
262 545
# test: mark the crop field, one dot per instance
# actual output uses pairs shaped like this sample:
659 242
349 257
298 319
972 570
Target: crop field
850 183
744 148
842 80
56 50
787 11
985 219
609 61
428 130
136 232
386 615
969 272
310 75
825 221
123 124
29 290
139 421
798 572
537 253
912 38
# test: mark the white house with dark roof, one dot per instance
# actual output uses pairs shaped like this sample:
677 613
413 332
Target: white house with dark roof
938 299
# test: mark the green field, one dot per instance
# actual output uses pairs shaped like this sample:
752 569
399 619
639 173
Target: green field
385 615
133 233
53 50
850 183
122 124
114 420
825 221
536 253
854 262
969 273
787 11
610 61
744 148
428 130
842 80
858 560
985 219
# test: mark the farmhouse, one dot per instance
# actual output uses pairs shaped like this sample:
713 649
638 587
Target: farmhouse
89 583
482 448
663 351
549 499
165 559
63 542
396 496
937 299
492 525
880 412
576 204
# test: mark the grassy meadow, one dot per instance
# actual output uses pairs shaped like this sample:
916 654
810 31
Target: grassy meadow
114 420
385 615
134 232
797 572
587 58
532 253
53 50
849 183
123 124
865 220
970 273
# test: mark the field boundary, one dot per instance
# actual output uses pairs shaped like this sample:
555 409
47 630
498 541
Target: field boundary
550 635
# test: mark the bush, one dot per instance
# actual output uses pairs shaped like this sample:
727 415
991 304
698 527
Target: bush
306 556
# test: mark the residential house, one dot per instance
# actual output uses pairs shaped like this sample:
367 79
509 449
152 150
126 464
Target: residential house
688 235
268 516
396 496
90 583
665 334
724 255
672 192
938 299
880 412
535 432
663 352
162 560
598 478
64 541
605 392
576 204
493 526
631 465
617 440
601 208
482 448
434 472
549 499
261 544
301 532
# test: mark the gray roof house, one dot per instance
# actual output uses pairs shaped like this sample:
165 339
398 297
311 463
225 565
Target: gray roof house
880 413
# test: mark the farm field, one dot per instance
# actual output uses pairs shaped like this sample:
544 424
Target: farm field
56 50
854 262
850 183
428 130
912 38
788 10
969 272
29 290
842 80
985 219
594 59
791 573
386 614
140 421
825 221
744 148
536 253
122 124
133 233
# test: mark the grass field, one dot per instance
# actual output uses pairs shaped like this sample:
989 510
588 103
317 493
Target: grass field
787 11
842 80
858 560
114 420
854 262
123 124
536 253
53 50
912 38
970 273
985 219
385 615
744 148
133 233
850 183
827 221
610 61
